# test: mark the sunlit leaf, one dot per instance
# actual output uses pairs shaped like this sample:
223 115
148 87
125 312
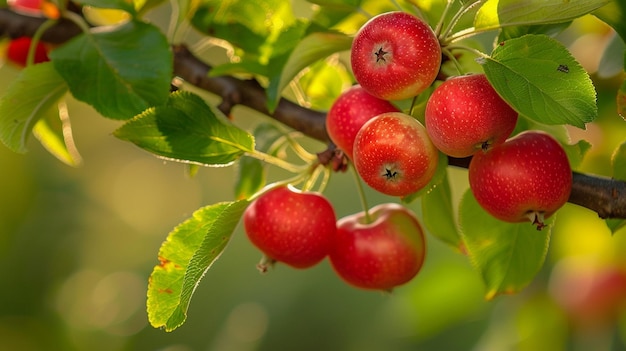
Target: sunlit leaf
621 100
104 17
612 62
618 162
576 152
189 251
337 4
251 26
54 132
614 14
251 173
494 14
185 129
110 4
120 71
550 30
438 214
312 48
35 92
508 255
323 82
541 80
438 177
250 177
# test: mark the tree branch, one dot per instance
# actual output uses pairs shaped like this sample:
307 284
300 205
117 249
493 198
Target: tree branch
603 195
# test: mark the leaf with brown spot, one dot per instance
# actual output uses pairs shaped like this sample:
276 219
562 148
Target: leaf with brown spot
188 252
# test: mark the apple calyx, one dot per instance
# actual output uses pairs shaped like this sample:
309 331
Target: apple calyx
380 55
537 218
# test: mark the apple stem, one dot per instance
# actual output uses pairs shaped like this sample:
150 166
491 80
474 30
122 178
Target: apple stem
455 19
452 58
30 59
298 149
443 17
314 175
361 191
265 264
276 161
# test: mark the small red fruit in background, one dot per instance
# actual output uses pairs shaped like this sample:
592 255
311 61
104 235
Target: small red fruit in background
349 112
395 56
591 294
465 114
17 51
528 177
290 226
382 254
26 7
393 154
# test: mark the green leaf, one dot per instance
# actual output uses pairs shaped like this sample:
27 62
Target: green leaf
612 62
189 251
550 30
576 152
35 92
618 165
323 82
54 132
621 100
508 255
312 48
338 4
494 14
251 176
186 130
251 26
618 162
120 71
124 5
614 14
251 173
541 80
438 177
438 214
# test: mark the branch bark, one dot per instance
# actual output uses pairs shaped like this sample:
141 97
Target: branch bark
603 195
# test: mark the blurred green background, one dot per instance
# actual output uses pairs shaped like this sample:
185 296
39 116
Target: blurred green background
77 246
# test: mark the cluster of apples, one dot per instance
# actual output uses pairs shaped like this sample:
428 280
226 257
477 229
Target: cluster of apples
397 56
377 250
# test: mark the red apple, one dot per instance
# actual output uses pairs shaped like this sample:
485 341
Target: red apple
395 56
465 114
290 226
17 51
526 177
382 254
26 7
349 112
588 292
393 154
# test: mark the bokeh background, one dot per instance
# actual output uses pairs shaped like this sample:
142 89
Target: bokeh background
77 246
